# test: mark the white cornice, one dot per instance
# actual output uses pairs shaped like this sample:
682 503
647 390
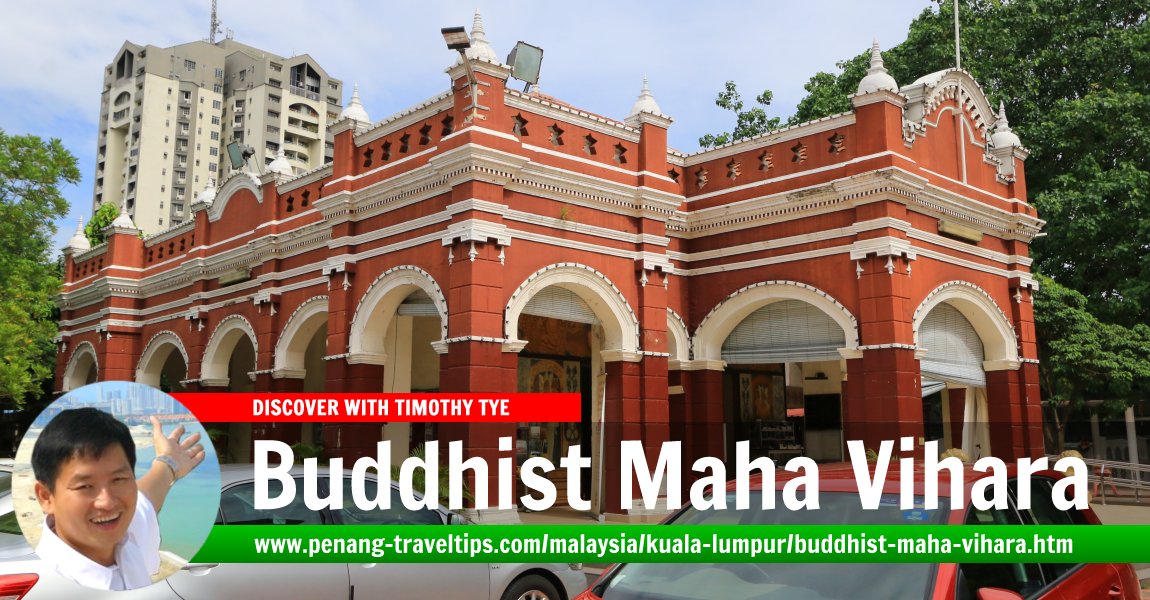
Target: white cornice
472 162
304 179
476 230
892 182
950 244
772 180
567 114
424 110
582 160
170 233
774 137
795 240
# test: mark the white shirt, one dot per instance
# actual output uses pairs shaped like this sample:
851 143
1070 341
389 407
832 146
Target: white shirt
137 555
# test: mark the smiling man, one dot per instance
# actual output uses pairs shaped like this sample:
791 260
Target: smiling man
101 527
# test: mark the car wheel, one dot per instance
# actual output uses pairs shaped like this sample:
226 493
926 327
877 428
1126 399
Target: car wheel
531 587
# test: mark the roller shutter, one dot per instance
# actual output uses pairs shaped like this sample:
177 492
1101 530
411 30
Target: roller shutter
954 351
784 331
560 303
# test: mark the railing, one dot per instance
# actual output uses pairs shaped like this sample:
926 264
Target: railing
1108 475
298 91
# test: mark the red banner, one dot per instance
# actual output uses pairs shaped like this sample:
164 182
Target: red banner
382 407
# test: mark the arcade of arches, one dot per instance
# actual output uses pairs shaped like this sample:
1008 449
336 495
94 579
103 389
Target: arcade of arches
861 277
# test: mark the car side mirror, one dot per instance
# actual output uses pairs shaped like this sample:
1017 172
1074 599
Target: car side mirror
454 519
997 594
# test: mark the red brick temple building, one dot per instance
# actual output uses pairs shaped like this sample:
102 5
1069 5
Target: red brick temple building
863 276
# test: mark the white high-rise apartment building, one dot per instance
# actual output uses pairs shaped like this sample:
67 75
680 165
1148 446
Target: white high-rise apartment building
166 115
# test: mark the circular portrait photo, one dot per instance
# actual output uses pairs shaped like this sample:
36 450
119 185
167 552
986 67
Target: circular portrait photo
115 485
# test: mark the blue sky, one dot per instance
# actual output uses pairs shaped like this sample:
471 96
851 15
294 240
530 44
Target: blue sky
595 53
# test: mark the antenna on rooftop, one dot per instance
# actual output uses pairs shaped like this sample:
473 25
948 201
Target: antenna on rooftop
215 25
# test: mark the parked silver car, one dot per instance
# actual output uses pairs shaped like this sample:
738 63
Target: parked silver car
214 581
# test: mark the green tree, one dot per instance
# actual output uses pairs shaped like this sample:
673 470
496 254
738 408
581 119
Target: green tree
31 173
1084 358
748 123
1075 79
101 219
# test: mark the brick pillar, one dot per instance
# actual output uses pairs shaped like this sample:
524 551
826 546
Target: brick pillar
703 391
882 397
118 353
677 406
654 412
1022 317
352 440
957 415
479 367
288 433
1004 402
264 381
476 290
286 384
623 421
655 406
1031 399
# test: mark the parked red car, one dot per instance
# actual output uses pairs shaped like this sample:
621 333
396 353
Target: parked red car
839 504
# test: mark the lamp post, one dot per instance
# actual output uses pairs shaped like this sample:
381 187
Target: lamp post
457 39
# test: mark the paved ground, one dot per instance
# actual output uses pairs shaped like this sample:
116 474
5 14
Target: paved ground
1125 511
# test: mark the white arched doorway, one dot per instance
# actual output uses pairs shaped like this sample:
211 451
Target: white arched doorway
401 323
960 334
299 359
781 346
83 367
229 365
566 321
163 363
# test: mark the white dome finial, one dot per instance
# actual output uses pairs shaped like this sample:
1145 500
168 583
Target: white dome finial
1003 137
354 109
208 195
877 77
280 165
875 55
1002 123
477 33
480 48
646 102
79 241
124 220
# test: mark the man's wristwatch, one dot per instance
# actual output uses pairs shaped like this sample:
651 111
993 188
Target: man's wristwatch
171 463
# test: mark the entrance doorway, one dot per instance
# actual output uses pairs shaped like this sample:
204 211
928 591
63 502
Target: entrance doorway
557 374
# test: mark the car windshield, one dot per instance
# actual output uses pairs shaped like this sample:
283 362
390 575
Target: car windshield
768 581
12 541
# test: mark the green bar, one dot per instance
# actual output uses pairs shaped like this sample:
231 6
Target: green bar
677 544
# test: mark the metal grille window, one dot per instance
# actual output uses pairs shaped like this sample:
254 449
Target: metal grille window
784 331
954 352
